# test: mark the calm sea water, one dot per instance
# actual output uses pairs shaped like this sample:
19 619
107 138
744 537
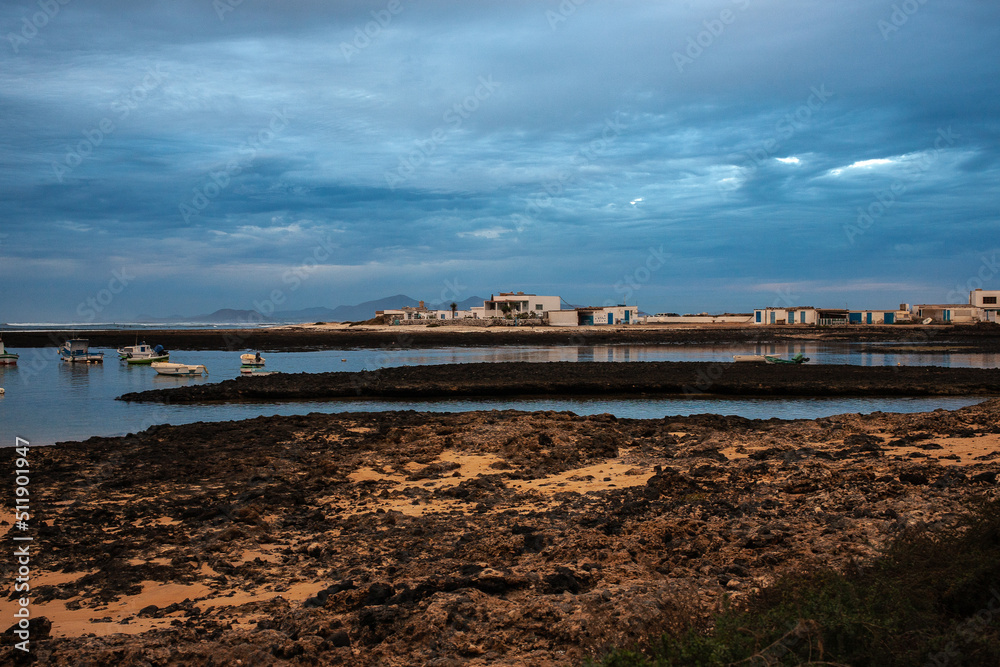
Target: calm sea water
47 400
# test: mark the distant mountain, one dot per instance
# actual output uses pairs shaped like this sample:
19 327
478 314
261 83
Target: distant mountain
356 313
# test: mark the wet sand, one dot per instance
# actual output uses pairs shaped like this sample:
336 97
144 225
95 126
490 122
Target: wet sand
500 537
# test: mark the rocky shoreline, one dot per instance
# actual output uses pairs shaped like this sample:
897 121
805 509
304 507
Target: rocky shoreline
981 337
481 538
592 378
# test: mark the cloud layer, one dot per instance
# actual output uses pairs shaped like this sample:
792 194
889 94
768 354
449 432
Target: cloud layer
816 152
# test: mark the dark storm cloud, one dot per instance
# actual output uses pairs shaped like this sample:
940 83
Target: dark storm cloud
537 145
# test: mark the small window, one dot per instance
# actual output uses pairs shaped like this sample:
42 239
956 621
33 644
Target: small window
538 306
990 299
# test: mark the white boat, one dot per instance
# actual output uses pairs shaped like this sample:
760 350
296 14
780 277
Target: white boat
251 360
759 358
142 354
6 358
77 351
256 371
167 368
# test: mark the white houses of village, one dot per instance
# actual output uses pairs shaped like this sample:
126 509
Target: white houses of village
521 306
982 307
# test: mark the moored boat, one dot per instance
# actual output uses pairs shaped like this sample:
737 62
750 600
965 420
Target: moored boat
77 351
143 354
6 358
251 360
167 368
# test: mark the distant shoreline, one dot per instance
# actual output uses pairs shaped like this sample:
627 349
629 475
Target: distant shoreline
980 337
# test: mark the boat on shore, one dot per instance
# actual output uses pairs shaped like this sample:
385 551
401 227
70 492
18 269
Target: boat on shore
797 359
142 354
750 358
6 358
248 372
77 351
167 368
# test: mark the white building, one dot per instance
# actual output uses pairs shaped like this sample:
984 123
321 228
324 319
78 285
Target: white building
796 315
517 303
579 317
948 313
986 301
828 316
421 312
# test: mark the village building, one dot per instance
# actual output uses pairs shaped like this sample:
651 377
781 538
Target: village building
948 313
986 301
517 304
592 316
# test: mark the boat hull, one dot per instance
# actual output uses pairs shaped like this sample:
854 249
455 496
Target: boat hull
146 361
8 359
164 368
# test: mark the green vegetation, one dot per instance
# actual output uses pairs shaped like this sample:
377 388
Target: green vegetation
932 598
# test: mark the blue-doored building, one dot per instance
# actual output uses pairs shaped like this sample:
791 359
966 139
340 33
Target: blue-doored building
581 317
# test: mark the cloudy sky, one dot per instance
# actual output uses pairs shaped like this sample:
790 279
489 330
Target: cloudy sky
187 155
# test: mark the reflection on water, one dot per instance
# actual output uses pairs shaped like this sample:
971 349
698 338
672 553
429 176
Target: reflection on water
48 400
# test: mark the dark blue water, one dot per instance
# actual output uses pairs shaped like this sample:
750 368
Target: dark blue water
47 400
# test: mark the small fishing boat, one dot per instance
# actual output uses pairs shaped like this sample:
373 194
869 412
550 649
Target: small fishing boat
6 358
759 358
77 351
247 372
167 368
142 354
251 360
797 359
